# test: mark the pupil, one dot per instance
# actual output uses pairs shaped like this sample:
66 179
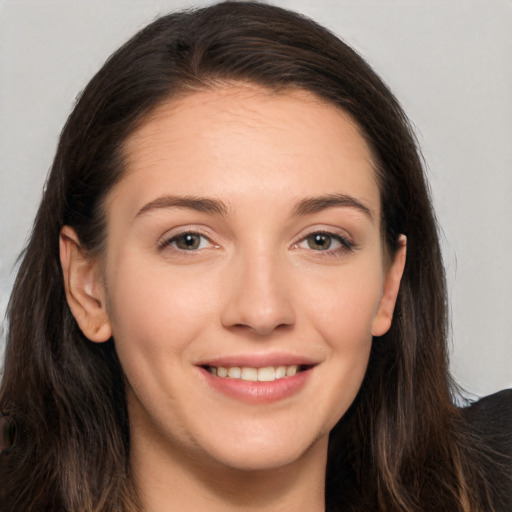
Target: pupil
320 241
188 241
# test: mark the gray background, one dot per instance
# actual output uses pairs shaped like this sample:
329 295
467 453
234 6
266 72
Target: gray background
448 62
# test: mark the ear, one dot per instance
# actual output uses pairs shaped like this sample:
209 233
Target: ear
384 316
85 291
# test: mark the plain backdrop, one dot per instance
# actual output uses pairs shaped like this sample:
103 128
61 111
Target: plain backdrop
448 62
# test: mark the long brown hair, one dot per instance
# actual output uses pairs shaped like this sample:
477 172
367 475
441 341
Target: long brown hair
401 446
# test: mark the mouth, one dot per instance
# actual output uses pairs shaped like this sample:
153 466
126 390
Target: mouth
258 379
254 374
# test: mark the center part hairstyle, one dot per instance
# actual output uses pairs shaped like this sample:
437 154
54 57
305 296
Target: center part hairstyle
400 447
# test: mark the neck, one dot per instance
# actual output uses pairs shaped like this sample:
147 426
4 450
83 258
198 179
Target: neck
169 480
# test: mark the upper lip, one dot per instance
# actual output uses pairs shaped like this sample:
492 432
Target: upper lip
258 360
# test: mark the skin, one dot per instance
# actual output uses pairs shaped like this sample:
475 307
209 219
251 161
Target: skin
257 284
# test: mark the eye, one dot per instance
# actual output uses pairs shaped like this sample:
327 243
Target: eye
320 241
187 241
325 242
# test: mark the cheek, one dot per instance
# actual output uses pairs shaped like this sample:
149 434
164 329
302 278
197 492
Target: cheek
342 312
157 312
343 305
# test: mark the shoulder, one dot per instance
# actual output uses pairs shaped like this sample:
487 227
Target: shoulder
490 420
500 401
491 416
489 408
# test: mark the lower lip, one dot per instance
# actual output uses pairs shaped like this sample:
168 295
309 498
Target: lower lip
258 392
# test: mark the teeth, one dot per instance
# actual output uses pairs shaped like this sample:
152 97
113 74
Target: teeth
291 370
249 374
234 373
280 372
265 374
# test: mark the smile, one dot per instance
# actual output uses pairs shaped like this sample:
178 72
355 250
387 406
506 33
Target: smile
252 374
258 378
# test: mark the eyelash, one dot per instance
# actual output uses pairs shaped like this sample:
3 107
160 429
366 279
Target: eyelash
346 245
171 240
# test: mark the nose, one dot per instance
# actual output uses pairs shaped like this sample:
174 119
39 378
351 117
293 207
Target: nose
258 295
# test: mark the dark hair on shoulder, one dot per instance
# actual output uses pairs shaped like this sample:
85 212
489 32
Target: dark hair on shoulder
402 444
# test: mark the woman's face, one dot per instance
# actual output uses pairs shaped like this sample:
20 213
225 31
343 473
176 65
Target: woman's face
245 239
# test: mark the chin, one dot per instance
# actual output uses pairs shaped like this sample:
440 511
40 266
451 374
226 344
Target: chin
268 453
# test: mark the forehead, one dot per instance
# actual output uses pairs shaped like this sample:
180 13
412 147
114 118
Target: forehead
282 145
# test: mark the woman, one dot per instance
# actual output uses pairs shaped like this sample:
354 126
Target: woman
235 291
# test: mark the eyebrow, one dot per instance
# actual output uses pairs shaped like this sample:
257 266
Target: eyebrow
199 204
306 206
311 205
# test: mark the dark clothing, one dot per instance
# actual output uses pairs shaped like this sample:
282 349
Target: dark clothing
491 418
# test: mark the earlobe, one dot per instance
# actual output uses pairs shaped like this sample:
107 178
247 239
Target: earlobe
85 292
384 316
